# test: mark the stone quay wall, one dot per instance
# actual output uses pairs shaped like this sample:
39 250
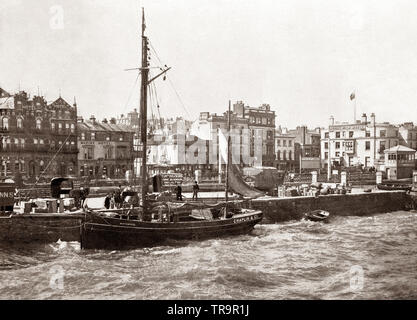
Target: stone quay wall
284 209
45 228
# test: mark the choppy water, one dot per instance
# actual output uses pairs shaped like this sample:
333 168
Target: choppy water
350 258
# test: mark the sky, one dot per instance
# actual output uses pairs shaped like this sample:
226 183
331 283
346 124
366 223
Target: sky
304 58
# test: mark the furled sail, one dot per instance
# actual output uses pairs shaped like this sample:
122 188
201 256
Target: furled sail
236 182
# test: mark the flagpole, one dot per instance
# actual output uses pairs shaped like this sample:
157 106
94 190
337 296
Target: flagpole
354 106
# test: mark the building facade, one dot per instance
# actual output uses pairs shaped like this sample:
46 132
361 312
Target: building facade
37 140
307 148
361 143
261 122
106 148
284 150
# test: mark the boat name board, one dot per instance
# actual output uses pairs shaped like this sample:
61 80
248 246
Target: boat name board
243 219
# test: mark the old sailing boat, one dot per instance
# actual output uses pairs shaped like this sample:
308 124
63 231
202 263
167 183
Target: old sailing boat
139 229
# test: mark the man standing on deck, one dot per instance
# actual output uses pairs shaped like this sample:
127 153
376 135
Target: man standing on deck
179 192
196 188
107 202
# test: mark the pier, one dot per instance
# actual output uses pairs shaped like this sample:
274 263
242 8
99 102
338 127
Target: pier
66 227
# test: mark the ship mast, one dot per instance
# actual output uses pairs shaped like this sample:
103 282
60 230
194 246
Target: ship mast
228 164
143 108
145 81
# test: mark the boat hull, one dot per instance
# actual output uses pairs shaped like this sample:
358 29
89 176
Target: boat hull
393 187
114 233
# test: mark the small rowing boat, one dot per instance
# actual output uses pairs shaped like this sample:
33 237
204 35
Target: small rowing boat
317 215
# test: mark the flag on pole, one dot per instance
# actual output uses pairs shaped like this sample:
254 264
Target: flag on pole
352 96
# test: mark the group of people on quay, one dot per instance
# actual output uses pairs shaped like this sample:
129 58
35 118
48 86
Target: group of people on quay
115 200
178 191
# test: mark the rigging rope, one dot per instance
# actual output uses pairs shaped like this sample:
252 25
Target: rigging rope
172 85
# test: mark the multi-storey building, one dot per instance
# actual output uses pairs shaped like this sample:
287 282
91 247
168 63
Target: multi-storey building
261 121
307 148
207 128
106 148
360 143
284 150
37 139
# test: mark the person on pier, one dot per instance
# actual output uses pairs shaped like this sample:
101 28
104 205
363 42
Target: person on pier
196 188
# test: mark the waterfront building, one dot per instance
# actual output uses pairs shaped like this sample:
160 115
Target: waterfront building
400 161
361 143
179 153
106 148
307 148
206 128
284 150
37 139
261 121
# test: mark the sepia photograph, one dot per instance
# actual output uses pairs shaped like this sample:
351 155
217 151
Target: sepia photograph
231 151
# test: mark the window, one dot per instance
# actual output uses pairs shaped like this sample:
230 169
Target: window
284 155
5 124
263 120
82 136
88 153
337 154
35 141
289 155
326 155
40 141
59 125
367 134
259 120
337 134
289 143
337 145
382 133
350 134
326 135
72 128
121 138
53 125
38 124
108 138
326 145
284 143
367 145
67 125
19 123
93 136
381 146
279 155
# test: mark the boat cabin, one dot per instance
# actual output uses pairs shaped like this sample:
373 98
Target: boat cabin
61 187
7 190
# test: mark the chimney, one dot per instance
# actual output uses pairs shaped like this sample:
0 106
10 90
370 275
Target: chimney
364 118
93 119
80 119
113 120
373 119
331 120
104 120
